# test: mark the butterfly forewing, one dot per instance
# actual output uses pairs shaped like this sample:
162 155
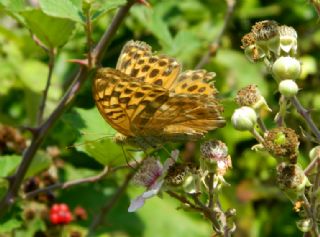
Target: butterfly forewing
136 60
146 97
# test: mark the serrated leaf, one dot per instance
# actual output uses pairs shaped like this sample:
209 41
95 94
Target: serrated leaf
8 164
96 140
52 31
106 6
63 9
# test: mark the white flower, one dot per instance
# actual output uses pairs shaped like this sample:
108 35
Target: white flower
151 175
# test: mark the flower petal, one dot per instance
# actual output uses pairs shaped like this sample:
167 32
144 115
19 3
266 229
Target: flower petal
153 190
136 203
171 160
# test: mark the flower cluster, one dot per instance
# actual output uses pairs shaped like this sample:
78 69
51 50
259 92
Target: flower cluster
276 46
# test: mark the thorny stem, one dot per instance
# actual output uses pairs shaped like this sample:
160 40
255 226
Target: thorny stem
306 115
51 53
184 200
213 47
70 94
108 206
69 184
214 216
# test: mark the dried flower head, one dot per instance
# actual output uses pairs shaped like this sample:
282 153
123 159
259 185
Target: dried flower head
215 153
282 142
248 40
250 96
267 35
265 30
178 173
292 180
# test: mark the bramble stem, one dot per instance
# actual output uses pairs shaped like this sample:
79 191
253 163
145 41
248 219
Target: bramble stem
51 53
69 184
213 47
70 94
306 115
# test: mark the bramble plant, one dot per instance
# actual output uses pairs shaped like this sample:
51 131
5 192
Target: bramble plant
104 133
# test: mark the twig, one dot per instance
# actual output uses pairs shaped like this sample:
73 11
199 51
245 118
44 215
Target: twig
89 37
69 184
77 83
307 207
210 181
184 200
262 125
108 206
306 115
213 47
311 165
51 53
257 135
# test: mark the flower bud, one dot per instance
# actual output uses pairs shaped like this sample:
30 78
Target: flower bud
292 180
288 88
244 118
282 142
305 225
267 35
314 153
288 39
286 68
250 96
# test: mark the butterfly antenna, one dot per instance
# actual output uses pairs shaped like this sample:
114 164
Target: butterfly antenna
126 157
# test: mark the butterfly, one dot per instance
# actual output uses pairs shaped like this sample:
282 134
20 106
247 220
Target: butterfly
148 99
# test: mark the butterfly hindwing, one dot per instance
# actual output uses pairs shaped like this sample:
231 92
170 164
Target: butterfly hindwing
147 98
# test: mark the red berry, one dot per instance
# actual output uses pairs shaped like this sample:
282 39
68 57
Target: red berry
54 218
67 218
64 207
55 208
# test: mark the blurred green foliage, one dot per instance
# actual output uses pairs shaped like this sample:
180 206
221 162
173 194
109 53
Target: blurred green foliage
181 29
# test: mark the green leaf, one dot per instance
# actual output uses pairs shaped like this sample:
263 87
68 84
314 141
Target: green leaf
154 21
10 225
13 5
8 164
33 75
97 136
63 9
104 7
52 31
40 162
